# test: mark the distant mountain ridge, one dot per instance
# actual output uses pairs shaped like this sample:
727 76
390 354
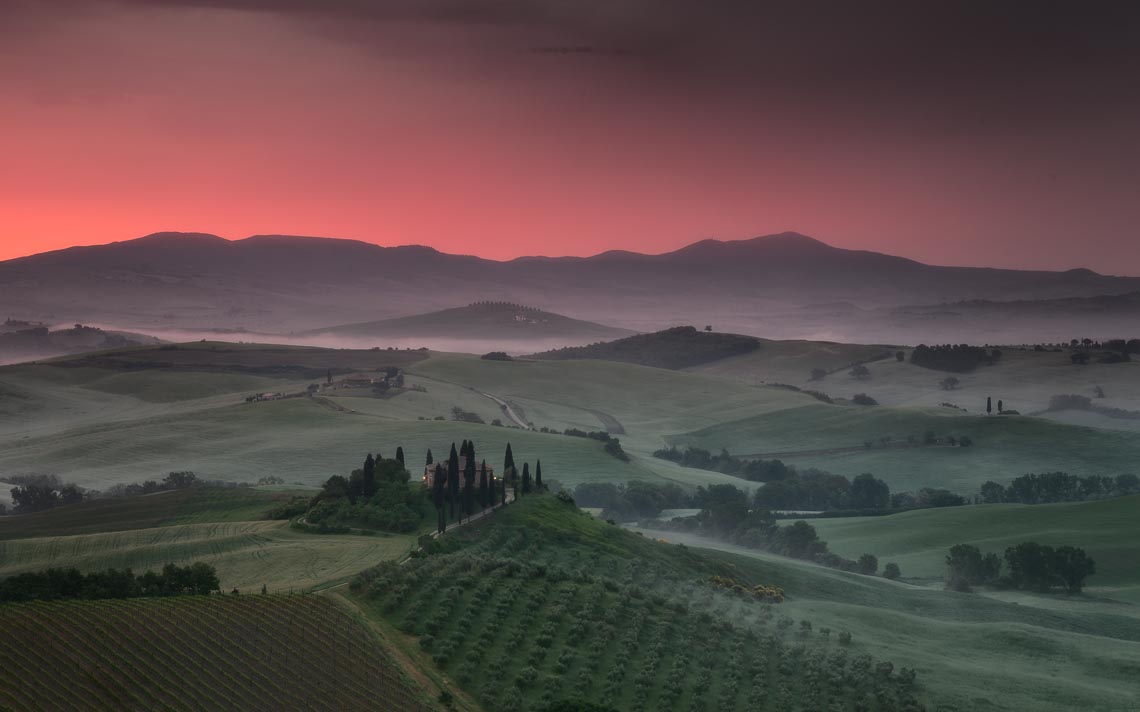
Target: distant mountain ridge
282 283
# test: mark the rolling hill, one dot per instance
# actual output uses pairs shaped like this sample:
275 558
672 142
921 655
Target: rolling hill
771 285
484 322
676 348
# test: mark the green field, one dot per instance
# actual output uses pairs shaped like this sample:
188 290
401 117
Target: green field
1108 530
224 527
205 653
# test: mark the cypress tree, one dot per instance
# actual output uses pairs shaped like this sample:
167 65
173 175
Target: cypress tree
430 461
1001 406
491 491
526 478
503 488
509 466
437 487
400 457
483 485
453 477
469 487
989 405
369 484
538 476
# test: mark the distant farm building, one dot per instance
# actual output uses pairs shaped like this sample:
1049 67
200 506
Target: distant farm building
429 472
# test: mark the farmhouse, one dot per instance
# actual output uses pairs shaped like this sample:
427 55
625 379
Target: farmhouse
429 472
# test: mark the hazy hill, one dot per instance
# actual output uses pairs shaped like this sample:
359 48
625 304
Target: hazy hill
283 284
24 341
482 321
679 347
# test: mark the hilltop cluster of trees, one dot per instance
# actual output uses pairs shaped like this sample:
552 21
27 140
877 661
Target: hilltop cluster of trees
376 496
1049 487
1032 566
956 358
457 492
55 584
36 493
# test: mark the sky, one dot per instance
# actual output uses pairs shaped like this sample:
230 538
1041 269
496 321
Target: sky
973 133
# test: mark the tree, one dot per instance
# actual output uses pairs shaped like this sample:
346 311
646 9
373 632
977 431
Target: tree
992 493
439 479
708 327
891 571
967 567
868 564
509 467
1001 406
989 405
868 492
1080 358
1028 566
469 487
900 356
538 486
180 480
818 374
483 501
863 399
861 372
453 478
429 461
949 383
368 484
400 456
526 478
1071 566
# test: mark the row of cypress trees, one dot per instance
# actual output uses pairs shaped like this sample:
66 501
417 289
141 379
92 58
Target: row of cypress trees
447 493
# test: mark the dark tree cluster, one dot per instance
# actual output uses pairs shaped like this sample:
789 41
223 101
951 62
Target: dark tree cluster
751 470
726 514
1031 566
376 496
1050 487
813 490
40 493
56 584
956 358
612 444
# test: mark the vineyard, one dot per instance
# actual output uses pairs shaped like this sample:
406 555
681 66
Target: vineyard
544 604
300 652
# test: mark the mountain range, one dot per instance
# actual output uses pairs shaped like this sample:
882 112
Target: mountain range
782 286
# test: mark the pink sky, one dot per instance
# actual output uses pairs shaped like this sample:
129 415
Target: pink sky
122 121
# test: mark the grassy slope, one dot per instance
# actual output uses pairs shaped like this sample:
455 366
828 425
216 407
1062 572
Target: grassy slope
1004 447
215 653
1024 380
1108 530
679 347
971 652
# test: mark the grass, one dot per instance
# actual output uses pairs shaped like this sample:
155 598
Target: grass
193 505
247 555
205 653
1108 530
